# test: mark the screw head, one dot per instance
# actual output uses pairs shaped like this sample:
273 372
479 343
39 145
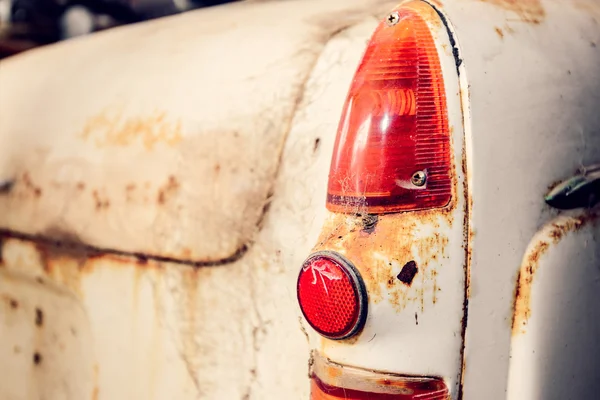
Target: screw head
392 19
419 178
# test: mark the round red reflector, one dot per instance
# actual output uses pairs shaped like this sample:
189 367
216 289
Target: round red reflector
332 295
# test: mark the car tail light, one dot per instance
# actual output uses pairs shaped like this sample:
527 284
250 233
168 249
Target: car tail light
392 151
331 381
332 295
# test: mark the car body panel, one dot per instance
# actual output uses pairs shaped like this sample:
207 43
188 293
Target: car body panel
533 86
556 320
229 329
152 126
199 301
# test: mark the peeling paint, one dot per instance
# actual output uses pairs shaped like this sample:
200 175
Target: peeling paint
550 236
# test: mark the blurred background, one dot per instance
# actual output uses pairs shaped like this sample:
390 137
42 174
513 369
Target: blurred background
25 24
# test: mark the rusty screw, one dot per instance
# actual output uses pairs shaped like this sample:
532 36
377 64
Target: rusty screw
419 178
392 19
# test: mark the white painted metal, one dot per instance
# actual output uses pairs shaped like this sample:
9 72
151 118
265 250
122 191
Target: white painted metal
46 349
534 120
164 330
556 354
162 138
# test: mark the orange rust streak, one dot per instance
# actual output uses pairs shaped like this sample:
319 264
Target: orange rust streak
530 265
114 129
499 32
530 11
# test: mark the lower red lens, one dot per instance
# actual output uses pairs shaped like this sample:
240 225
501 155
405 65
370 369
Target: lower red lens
331 296
333 381
322 391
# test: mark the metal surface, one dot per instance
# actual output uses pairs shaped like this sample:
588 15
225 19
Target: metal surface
155 146
160 329
45 340
556 319
117 162
532 71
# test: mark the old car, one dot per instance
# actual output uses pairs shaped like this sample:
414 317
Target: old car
342 199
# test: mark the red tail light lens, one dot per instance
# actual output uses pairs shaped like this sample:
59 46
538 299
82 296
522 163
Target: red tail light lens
332 295
332 381
392 151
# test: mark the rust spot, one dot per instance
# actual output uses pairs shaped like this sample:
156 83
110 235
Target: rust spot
80 186
168 190
499 32
14 304
217 168
37 358
39 317
112 128
6 186
522 293
530 11
129 191
408 272
30 186
96 389
100 201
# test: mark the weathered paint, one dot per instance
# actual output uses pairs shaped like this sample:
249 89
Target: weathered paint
380 254
116 289
554 348
521 136
113 129
530 11
164 327
542 243
157 148
46 346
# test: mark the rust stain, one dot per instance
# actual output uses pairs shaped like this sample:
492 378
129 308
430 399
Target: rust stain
397 241
530 11
96 389
115 129
129 191
530 264
13 303
39 317
499 32
100 200
168 190
29 185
